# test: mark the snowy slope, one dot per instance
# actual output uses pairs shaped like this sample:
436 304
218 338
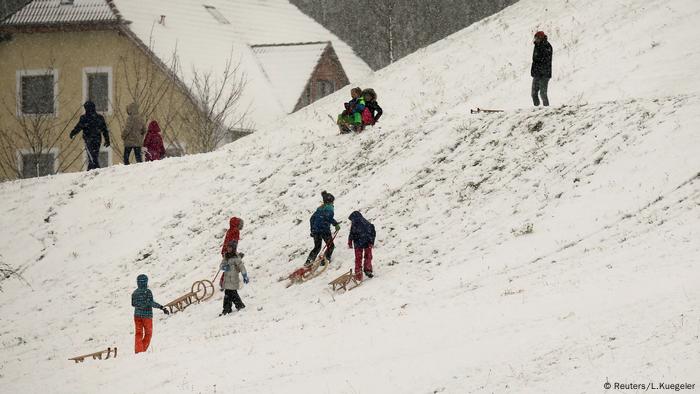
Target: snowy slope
529 251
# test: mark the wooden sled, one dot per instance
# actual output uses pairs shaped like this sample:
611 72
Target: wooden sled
201 290
478 110
343 281
306 273
97 355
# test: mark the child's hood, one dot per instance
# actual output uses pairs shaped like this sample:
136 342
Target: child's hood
142 281
355 216
236 223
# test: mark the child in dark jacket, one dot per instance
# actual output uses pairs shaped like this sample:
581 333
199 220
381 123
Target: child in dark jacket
351 118
321 222
142 301
362 235
374 111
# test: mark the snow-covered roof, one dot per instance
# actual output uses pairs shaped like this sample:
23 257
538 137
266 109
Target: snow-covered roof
288 68
48 12
205 33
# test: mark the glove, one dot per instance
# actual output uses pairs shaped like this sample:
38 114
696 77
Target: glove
72 134
349 244
245 279
106 143
337 227
167 312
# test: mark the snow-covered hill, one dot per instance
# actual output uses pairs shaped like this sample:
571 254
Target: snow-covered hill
536 250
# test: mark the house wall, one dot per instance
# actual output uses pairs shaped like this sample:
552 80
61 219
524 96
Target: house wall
135 77
328 68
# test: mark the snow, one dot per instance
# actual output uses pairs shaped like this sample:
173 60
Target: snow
288 68
534 250
203 43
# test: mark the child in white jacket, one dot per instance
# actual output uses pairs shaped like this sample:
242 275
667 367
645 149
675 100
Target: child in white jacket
232 265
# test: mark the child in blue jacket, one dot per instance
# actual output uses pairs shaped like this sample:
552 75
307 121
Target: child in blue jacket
142 301
320 223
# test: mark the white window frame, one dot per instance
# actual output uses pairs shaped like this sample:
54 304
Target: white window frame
110 85
31 73
110 156
22 152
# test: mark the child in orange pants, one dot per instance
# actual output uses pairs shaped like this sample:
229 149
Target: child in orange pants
142 301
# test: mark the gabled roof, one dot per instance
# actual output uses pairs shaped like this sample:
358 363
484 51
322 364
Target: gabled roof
52 12
288 67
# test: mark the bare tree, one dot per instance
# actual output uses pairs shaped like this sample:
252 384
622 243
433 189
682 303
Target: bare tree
37 130
152 85
7 272
217 113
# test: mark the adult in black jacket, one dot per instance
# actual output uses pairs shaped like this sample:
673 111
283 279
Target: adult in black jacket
541 70
92 124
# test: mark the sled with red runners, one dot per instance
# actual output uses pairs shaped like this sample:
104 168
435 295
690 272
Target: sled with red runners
308 272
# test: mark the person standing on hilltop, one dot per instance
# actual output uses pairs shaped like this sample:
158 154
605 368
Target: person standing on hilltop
541 70
154 143
94 127
133 132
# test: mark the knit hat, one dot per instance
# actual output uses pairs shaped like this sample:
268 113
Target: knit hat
540 34
327 197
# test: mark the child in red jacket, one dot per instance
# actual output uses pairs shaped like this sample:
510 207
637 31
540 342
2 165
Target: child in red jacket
230 246
154 143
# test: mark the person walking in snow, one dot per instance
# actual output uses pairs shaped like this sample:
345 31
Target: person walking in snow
320 223
142 301
232 266
372 108
91 124
230 245
154 143
541 70
362 235
351 119
233 235
133 133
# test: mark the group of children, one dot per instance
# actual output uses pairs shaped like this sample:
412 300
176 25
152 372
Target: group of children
362 110
361 238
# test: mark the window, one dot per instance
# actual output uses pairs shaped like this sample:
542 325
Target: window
97 87
37 92
32 164
104 158
175 151
324 88
217 14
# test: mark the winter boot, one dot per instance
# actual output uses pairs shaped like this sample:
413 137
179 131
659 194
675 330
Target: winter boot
369 274
358 276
